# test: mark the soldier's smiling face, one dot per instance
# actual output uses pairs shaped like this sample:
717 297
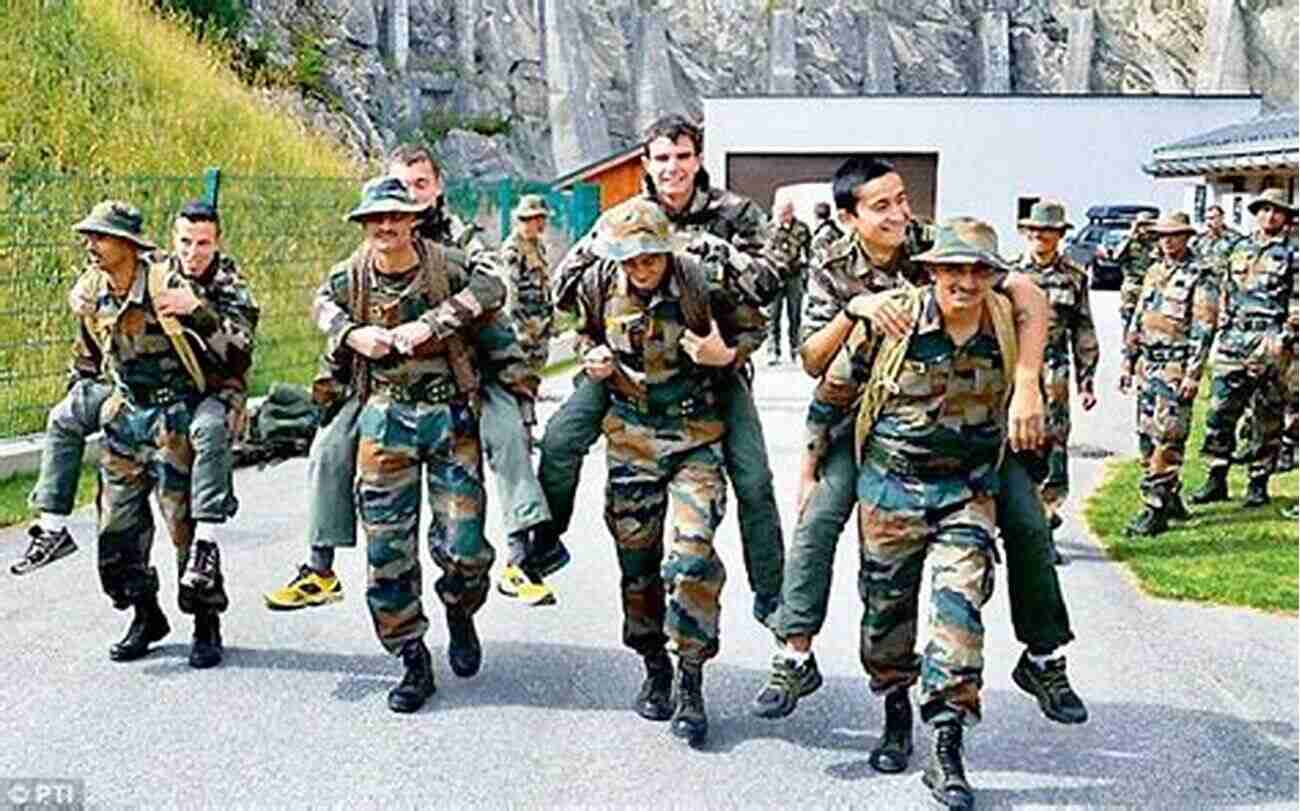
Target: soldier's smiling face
959 287
390 231
646 270
195 243
424 184
672 165
882 212
1270 220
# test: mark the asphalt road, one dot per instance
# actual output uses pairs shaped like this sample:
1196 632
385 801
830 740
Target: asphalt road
1192 706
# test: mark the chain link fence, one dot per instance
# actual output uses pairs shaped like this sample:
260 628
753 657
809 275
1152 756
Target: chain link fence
285 233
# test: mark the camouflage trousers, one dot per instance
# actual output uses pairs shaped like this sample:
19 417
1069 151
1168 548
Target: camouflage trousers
145 449
1056 402
1247 368
790 297
896 541
396 440
1164 421
674 597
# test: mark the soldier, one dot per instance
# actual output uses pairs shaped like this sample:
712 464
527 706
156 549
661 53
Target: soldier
725 231
825 234
1070 336
150 330
1258 310
649 333
1135 254
789 246
927 489
1217 239
1170 338
855 281
414 380
332 514
531 311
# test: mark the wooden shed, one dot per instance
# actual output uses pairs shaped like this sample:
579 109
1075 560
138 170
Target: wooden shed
618 176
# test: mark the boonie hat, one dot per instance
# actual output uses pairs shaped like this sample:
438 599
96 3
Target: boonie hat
115 218
1272 197
964 240
633 228
385 195
1172 224
530 205
1046 214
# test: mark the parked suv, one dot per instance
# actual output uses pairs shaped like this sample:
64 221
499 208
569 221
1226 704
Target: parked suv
1093 246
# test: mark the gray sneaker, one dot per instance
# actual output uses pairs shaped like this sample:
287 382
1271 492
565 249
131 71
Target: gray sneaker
44 549
786 684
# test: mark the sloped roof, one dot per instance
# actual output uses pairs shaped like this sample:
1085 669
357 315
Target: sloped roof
1276 126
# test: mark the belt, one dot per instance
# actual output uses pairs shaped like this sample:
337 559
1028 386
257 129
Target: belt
146 396
692 405
1255 322
906 466
435 391
1164 353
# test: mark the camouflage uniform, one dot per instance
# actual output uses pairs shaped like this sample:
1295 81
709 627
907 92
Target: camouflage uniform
927 487
529 296
1213 247
1258 313
826 234
664 429
1070 333
725 231
1170 340
1137 255
789 248
417 414
439 225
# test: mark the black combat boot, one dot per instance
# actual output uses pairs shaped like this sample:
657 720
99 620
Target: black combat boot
1151 521
895 747
547 554
1175 509
690 723
654 701
417 685
1215 487
206 650
464 651
944 773
1256 492
149 625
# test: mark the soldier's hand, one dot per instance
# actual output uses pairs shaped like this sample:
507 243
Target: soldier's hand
1087 399
1125 383
372 342
236 417
807 481
176 301
710 350
885 311
1188 391
598 363
408 336
1025 418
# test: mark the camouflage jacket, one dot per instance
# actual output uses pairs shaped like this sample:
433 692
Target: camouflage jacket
1259 291
653 374
1207 245
938 438
826 234
1134 257
789 247
528 296
439 225
1176 316
122 339
1070 331
475 297
723 230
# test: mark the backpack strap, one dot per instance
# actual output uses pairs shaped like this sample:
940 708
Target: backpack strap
885 368
359 309
158 272
437 284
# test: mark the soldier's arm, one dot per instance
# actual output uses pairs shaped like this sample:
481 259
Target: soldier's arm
1085 348
567 275
481 296
825 325
1030 308
1205 321
330 313
227 321
1293 303
87 358
758 278
1130 287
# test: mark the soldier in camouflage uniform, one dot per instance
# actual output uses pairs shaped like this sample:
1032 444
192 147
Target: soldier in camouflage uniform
825 234
1170 340
1135 254
528 291
409 373
649 332
789 247
1257 338
929 450
725 231
150 332
332 513
1070 335
1218 238
856 281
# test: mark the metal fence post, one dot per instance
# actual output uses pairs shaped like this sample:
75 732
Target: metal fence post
212 186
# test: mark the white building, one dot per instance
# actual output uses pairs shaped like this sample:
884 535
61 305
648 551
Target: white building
987 156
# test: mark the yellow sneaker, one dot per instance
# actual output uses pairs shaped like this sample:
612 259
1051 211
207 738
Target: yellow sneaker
308 588
516 585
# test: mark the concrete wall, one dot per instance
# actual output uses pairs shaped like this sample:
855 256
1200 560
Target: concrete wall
1085 150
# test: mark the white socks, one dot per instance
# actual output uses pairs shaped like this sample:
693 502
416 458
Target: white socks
1040 662
799 657
53 523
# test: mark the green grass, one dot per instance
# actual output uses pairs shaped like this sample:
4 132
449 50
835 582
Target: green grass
1226 554
14 491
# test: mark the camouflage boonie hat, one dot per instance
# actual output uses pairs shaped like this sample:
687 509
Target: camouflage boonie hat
1172 224
633 228
530 205
385 195
1272 197
115 218
1046 214
964 240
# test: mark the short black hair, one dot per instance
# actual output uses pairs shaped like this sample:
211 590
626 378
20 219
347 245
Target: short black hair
854 172
407 154
1215 207
822 210
200 211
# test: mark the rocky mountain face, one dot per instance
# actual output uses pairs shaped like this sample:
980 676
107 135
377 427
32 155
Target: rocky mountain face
537 88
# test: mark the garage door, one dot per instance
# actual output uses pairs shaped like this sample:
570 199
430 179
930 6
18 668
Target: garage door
759 175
